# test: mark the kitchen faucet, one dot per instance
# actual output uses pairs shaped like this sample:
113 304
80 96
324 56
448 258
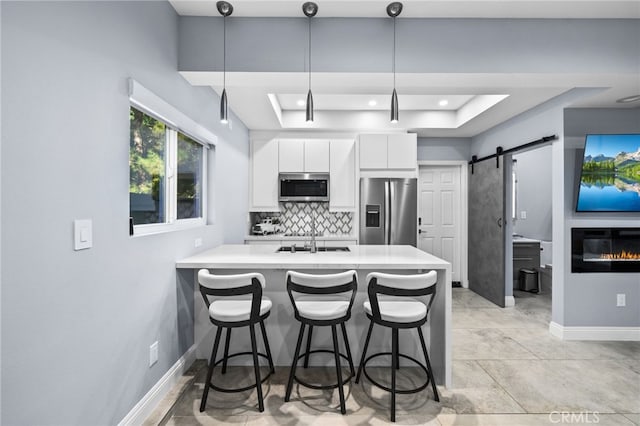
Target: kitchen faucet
313 247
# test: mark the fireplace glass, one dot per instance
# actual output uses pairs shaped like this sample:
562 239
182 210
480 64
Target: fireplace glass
605 250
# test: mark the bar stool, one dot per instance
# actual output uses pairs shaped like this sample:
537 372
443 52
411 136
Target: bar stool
398 309
322 300
228 312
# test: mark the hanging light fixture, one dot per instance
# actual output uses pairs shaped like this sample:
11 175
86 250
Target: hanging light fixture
309 9
225 9
393 10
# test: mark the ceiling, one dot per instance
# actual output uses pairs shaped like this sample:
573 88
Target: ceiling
343 102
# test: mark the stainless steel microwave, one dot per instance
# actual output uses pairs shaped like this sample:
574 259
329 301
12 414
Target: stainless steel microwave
303 187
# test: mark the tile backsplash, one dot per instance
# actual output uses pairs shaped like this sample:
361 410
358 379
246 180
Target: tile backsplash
295 218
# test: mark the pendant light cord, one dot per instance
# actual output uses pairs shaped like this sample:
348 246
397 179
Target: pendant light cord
394 52
309 53
224 52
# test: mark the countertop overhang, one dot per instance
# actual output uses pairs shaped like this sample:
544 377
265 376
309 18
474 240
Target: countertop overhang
240 256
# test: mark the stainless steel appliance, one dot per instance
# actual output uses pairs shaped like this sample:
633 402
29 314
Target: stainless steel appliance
388 211
303 187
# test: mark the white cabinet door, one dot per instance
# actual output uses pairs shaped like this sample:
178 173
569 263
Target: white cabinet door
316 156
291 155
373 151
342 175
402 151
264 176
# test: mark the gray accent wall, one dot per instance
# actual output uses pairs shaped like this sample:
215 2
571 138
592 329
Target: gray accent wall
534 193
364 44
444 149
77 325
591 298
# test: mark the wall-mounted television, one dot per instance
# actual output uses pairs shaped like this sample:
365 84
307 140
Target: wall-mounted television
610 174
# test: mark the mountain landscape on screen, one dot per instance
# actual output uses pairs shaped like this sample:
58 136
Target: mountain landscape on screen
610 179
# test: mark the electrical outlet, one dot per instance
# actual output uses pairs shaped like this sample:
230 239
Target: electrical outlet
153 353
621 300
198 242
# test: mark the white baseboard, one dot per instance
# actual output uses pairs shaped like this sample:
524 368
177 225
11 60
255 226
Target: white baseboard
594 333
509 301
150 401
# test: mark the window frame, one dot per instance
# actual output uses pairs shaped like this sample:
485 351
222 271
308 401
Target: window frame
175 122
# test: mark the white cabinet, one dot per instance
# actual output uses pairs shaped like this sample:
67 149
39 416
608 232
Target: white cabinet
264 176
291 155
394 151
402 151
373 151
309 156
342 175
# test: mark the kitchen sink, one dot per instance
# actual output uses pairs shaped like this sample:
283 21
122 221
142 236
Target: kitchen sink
290 249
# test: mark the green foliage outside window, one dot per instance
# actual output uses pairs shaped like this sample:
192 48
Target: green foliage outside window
147 140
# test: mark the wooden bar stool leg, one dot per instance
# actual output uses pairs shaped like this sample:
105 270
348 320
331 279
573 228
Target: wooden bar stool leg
212 362
292 372
306 357
226 351
364 352
256 367
346 344
429 370
336 353
266 346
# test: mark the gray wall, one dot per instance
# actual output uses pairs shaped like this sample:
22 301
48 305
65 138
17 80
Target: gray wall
534 193
444 149
76 326
461 45
592 297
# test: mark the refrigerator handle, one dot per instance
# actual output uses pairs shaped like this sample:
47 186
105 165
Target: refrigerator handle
387 212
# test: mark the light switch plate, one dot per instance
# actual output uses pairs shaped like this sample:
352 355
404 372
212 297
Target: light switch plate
621 300
523 214
82 234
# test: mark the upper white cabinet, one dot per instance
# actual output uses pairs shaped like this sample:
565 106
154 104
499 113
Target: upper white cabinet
264 176
402 151
291 155
342 175
307 156
393 151
316 156
373 151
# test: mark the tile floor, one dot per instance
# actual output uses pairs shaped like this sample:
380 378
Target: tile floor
507 370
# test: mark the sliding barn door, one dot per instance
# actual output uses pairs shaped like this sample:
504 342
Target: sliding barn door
486 231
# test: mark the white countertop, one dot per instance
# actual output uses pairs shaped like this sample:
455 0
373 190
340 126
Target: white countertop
517 240
280 237
240 256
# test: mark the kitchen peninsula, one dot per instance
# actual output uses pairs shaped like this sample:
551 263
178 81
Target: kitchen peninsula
282 331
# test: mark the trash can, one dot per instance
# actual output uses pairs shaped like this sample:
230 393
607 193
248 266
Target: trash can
528 280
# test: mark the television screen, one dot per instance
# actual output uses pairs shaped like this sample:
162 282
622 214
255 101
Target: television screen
610 176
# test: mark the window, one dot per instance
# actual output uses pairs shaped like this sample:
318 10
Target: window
167 172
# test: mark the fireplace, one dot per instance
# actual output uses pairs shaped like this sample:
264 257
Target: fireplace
605 250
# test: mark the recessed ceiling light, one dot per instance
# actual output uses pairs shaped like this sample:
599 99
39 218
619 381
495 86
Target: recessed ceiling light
300 102
373 102
443 102
629 99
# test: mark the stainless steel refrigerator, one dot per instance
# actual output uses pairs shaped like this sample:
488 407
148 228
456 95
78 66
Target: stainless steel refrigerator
388 211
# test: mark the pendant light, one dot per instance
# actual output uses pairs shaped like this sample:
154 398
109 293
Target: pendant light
225 9
393 10
309 9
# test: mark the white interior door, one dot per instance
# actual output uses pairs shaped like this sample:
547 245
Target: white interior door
440 226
